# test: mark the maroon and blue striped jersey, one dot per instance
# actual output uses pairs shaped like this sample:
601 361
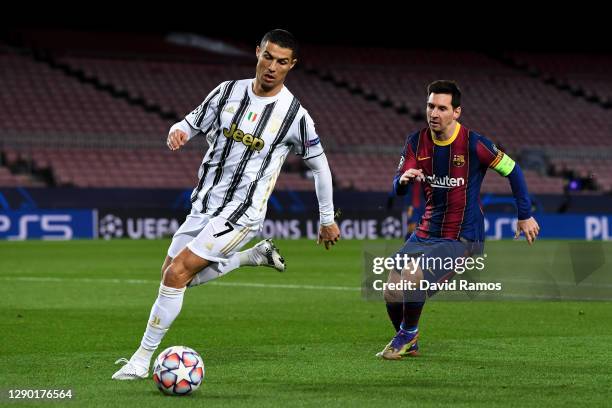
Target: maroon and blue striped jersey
454 170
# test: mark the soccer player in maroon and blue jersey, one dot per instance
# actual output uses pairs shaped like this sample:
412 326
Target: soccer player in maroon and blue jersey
450 161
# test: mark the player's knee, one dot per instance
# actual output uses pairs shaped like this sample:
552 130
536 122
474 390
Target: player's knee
177 274
391 293
412 274
392 296
165 265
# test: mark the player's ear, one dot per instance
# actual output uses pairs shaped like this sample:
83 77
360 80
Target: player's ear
457 112
257 51
293 62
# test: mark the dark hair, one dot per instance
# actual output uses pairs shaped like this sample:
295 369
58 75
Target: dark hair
282 38
443 86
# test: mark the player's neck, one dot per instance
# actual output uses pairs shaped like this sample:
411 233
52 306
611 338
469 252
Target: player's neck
259 91
447 133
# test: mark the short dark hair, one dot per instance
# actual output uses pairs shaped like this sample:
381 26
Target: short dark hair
444 86
282 38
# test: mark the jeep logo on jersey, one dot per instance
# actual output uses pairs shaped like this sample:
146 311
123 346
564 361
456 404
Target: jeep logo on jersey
445 182
247 139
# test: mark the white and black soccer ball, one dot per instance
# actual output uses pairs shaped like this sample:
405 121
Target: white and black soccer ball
391 227
178 370
110 226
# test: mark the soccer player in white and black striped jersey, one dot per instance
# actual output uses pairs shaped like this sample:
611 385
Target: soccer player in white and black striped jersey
251 126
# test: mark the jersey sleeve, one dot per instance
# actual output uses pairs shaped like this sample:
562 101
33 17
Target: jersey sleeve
490 156
202 117
304 139
407 161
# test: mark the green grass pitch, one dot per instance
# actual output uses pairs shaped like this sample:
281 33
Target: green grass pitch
68 310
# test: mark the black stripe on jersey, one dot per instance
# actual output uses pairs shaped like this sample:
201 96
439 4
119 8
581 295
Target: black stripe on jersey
306 137
289 118
303 135
244 103
314 156
202 113
206 166
246 156
194 195
221 106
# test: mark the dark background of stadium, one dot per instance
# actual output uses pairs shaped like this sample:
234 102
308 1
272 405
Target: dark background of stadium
488 30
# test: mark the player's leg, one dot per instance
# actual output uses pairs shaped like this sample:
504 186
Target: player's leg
166 308
217 240
165 265
216 244
170 296
265 253
394 300
191 227
404 308
407 304
405 341
170 299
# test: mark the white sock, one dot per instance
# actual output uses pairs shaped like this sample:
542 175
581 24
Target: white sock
251 258
164 311
218 269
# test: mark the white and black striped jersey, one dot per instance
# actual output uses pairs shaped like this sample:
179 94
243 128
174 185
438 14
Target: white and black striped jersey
249 138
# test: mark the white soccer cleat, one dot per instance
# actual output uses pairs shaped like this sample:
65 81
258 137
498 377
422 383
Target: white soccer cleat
130 371
270 255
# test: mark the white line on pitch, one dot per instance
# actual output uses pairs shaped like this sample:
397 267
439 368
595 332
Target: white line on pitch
151 281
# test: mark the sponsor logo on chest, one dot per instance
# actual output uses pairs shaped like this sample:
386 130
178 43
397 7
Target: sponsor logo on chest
445 182
247 139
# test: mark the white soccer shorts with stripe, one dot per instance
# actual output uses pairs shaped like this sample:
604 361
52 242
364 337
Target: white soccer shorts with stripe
214 239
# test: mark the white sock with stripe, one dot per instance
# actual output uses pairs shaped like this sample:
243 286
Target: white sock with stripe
165 309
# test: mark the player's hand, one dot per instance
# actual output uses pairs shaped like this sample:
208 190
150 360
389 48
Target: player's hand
411 175
329 235
176 139
529 227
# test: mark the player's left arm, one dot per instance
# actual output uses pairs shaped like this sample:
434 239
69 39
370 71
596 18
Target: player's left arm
329 233
490 156
526 223
306 143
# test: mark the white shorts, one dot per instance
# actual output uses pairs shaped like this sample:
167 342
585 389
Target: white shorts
214 239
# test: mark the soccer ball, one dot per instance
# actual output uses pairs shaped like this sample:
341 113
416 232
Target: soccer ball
178 370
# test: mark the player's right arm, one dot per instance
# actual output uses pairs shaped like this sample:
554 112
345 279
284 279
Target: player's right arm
179 134
407 170
200 120
411 175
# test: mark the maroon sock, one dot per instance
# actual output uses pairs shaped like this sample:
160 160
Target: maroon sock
396 314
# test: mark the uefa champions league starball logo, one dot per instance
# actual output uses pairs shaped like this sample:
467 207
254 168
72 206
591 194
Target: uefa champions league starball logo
391 227
111 227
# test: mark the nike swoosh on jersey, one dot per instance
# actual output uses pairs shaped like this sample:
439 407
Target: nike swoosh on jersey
423 158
